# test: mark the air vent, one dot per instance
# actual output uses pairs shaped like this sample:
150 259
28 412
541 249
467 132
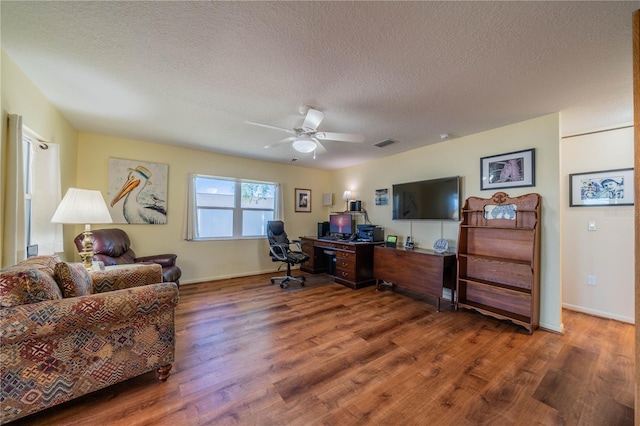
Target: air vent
384 143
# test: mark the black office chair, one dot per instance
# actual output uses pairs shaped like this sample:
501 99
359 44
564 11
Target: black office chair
280 251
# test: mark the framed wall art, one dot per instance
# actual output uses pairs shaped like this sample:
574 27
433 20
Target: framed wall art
603 188
137 191
382 197
303 200
510 170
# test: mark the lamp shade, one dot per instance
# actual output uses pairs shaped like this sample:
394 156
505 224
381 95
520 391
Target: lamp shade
82 206
346 195
304 144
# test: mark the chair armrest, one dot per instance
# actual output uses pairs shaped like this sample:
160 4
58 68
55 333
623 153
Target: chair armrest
125 276
279 251
56 317
165 260
297 244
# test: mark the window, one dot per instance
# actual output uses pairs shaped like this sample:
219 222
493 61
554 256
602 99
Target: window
232 208
41 176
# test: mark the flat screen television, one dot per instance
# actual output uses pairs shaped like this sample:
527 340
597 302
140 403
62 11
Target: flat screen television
342 224
435 199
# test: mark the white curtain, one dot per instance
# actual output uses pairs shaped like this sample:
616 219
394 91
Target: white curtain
279 213
190 218
13 202
45 197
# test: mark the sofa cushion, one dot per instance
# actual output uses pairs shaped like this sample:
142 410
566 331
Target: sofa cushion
22 284
73 279
46 263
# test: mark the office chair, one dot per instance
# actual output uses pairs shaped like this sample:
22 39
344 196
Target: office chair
280 251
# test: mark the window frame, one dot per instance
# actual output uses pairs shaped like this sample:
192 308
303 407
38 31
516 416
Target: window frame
27 144
237 209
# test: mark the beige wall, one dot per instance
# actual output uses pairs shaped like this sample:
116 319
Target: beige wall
202 260
462 157
607 252
20 96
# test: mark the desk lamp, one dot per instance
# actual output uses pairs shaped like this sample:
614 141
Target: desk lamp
83 206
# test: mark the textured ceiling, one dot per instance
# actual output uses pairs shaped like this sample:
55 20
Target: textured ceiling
191 73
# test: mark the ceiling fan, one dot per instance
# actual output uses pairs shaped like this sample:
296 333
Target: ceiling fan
307 137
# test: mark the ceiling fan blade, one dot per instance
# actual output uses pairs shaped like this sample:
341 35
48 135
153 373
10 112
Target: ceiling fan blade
268 126
342 137
320 149
313 119
280 142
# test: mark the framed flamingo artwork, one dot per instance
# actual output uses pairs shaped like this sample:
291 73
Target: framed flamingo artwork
137 191
510 170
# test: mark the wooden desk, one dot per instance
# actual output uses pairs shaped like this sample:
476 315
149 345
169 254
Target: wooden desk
423 271
354 260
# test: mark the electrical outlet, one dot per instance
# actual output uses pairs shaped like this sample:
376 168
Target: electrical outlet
591 279
592 226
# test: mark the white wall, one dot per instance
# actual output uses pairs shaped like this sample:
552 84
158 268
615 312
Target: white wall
608 252
462 157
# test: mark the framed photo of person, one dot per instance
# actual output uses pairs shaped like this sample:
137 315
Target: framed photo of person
603 188
303 200
510 170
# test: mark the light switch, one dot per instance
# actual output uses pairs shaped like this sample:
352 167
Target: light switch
592 226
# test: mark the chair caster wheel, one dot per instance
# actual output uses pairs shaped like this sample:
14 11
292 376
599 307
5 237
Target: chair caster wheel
282 285
273 281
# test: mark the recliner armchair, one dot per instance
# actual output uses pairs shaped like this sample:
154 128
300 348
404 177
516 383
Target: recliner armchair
280 250
113 247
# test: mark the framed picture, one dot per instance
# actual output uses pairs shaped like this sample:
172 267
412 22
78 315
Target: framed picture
137 191
382 197
604 188
303 200
510 170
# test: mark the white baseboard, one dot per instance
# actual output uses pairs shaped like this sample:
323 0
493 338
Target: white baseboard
598 313
551 327
225 277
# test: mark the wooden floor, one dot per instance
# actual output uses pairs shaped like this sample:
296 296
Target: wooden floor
250 353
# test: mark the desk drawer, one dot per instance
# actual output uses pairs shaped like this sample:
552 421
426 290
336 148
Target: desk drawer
345 255
345 264
345 274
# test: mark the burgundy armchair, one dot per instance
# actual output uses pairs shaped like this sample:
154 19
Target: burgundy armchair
113 247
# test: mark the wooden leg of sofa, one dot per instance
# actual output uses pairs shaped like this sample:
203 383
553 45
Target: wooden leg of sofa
163 372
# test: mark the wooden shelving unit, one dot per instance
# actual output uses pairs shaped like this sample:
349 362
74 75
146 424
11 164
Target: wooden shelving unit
499 258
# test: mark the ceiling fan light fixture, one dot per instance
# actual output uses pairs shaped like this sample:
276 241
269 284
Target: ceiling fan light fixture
304 144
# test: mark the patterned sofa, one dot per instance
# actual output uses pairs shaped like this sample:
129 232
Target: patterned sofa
65 332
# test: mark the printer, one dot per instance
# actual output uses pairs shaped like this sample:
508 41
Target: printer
369 233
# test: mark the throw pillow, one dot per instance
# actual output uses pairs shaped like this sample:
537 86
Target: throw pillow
73 279
21 285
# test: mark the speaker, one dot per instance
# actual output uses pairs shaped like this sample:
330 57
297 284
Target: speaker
323 229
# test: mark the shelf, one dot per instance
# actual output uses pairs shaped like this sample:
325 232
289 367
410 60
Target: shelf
495 259
498 259
509 228
495 284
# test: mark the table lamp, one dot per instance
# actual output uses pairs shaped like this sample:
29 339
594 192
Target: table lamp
83 206
346 196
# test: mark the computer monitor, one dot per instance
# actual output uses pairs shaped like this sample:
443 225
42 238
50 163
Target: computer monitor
342 224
